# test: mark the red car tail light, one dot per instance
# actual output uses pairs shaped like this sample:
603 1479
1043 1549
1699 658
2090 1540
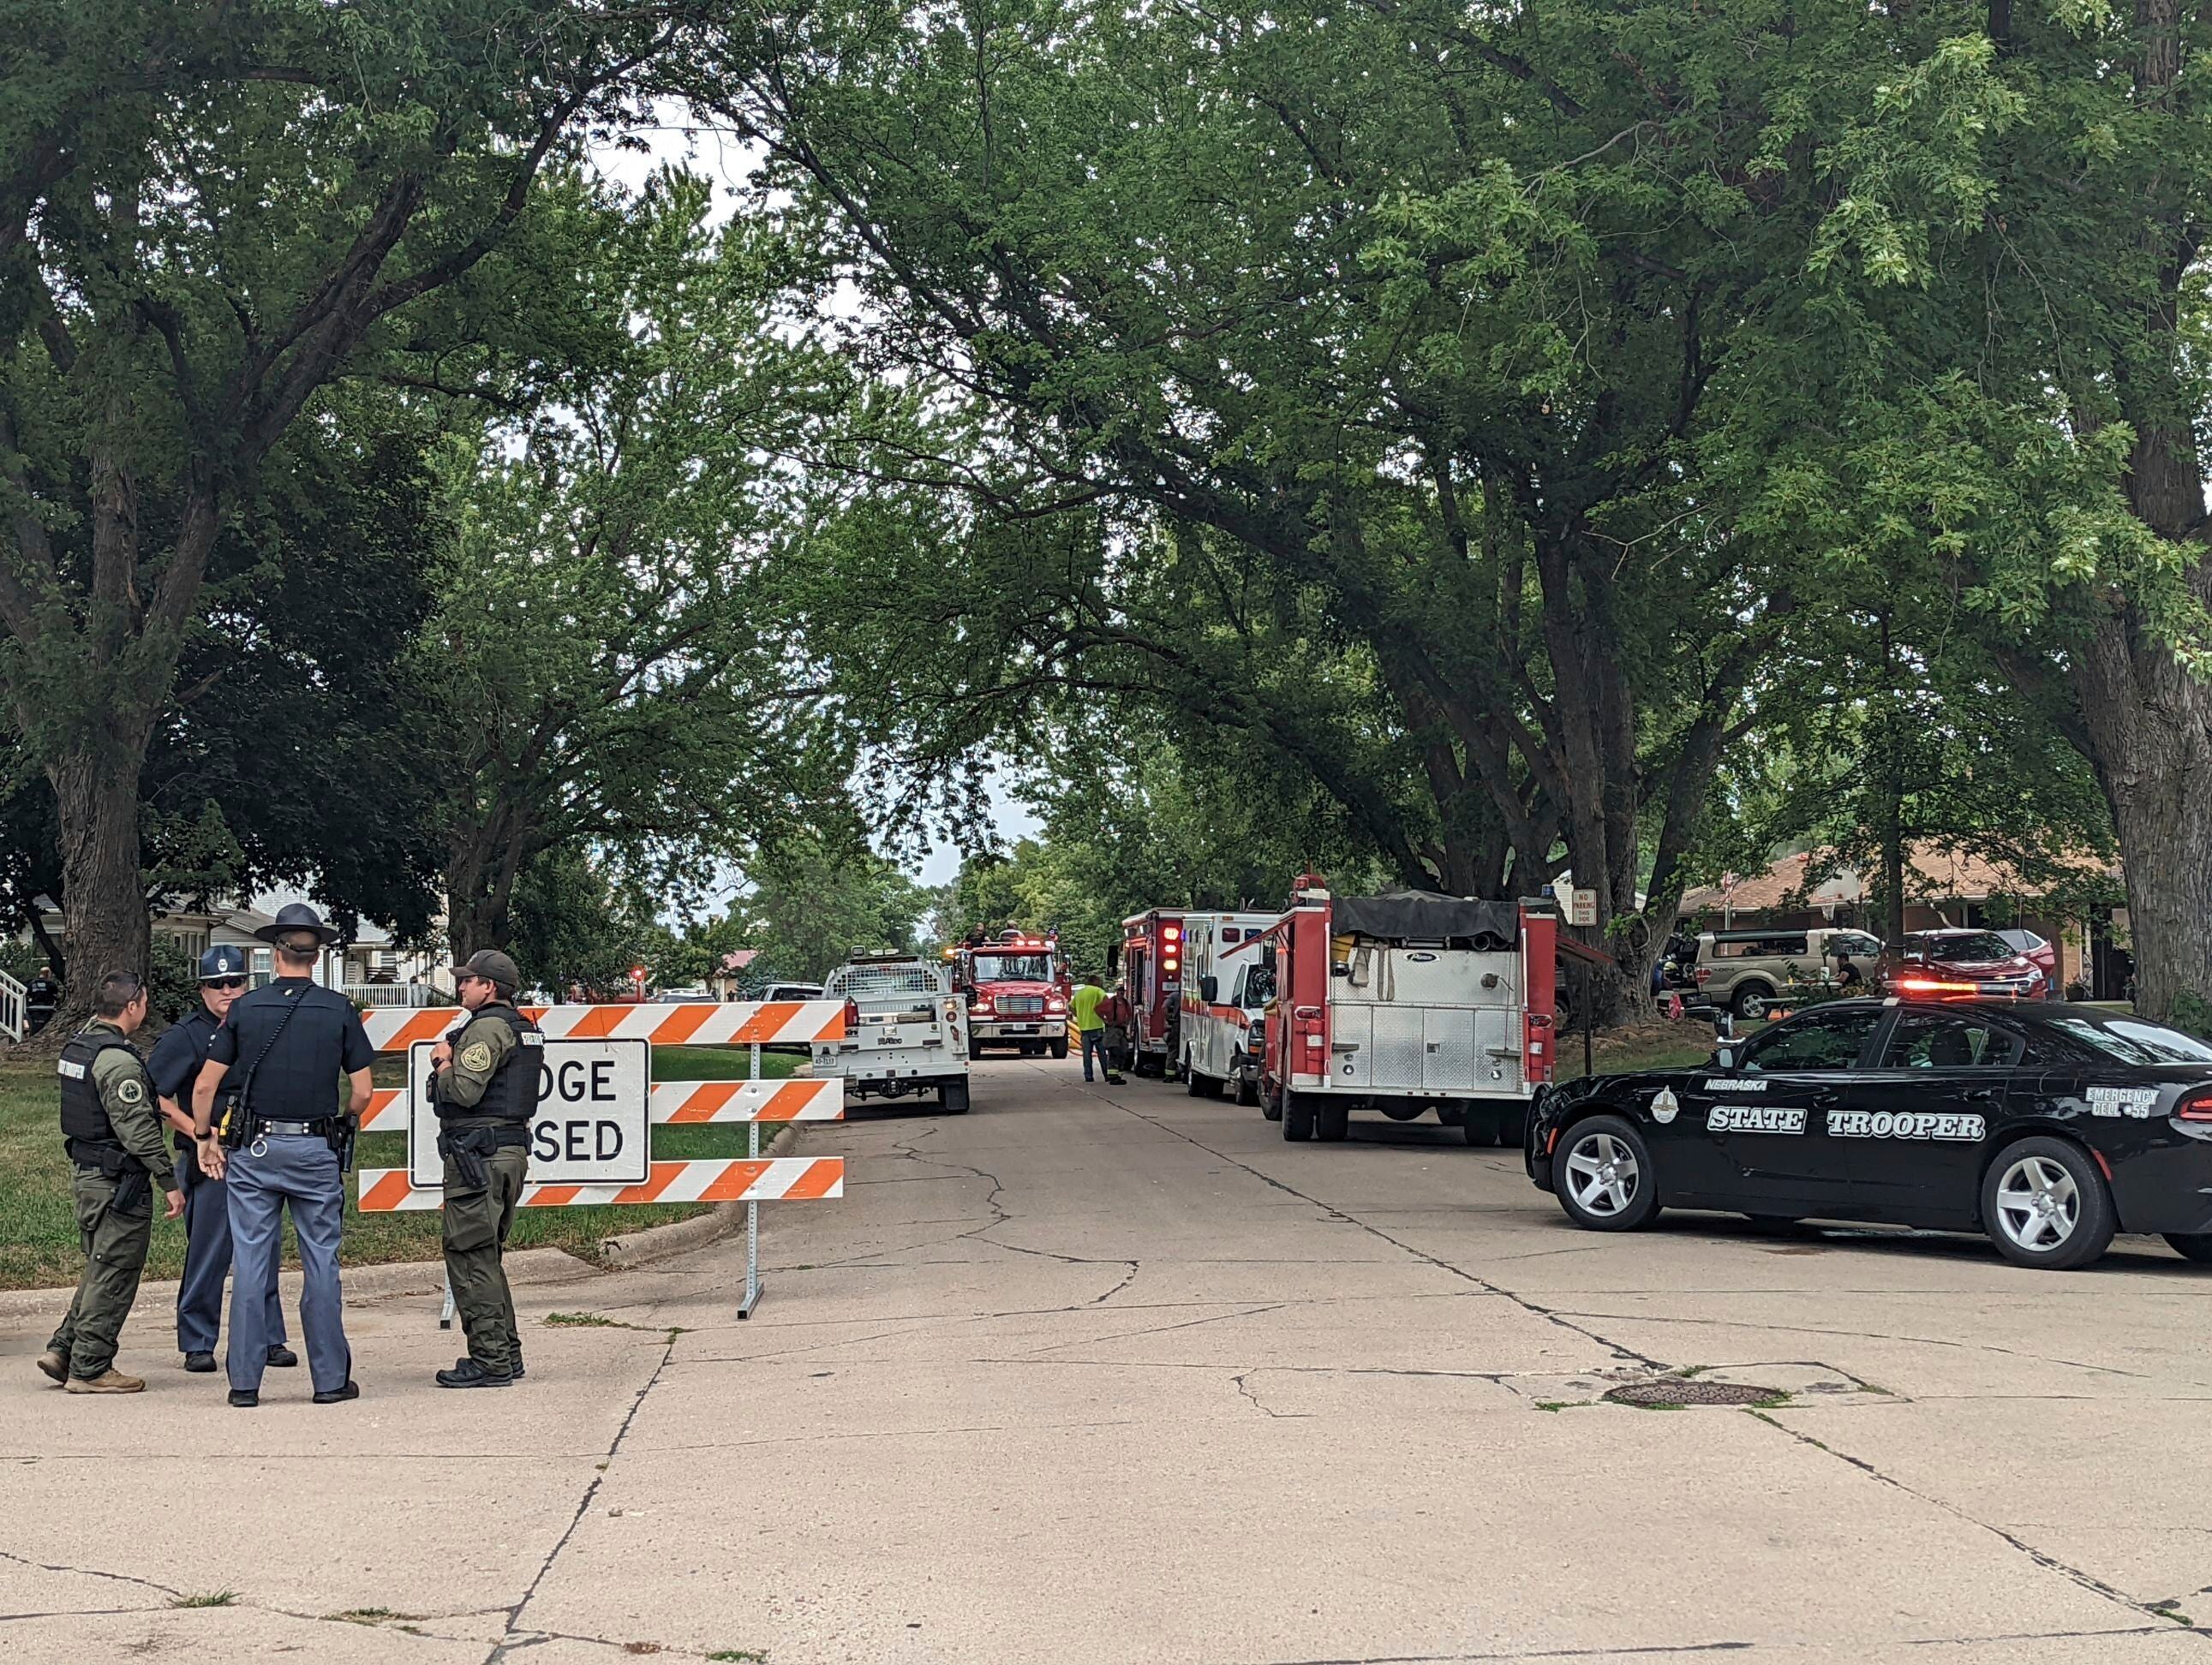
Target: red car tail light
852 1017
1704 974
2198 1107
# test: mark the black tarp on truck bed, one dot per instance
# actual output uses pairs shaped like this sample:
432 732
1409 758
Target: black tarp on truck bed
1396 915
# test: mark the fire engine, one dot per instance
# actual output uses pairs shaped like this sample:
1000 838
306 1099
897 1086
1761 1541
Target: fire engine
1224 997
1016 987
1405 1002
1149 961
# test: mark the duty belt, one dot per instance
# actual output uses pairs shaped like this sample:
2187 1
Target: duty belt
318 1128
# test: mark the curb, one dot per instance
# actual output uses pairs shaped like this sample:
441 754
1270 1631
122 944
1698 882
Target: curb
361 1283
657 1242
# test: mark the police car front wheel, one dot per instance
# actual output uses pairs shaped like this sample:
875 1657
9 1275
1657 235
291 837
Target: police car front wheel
1604 1176
2044 1204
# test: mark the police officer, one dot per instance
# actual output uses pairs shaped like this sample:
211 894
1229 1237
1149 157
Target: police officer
485 1091
40 996
289 1041
113 1134
175 1064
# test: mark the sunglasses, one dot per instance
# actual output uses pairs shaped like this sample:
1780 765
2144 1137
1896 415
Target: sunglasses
224 982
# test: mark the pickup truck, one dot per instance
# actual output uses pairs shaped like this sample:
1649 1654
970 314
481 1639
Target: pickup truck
905 1031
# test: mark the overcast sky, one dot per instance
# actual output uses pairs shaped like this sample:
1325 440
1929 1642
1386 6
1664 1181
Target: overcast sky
728 163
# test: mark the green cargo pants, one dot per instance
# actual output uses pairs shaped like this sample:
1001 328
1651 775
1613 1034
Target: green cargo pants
115 1245
477 1221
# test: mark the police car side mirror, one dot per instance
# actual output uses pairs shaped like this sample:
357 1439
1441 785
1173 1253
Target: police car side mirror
1723 1058
1209 990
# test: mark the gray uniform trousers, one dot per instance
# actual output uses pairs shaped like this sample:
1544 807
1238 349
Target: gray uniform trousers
299 1171
207 1263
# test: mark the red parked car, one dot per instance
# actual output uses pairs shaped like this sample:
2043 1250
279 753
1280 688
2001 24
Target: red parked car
2043 952
1961 962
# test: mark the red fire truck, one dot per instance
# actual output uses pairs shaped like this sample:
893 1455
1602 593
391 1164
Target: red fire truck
1149 960
1017 987
1406 1002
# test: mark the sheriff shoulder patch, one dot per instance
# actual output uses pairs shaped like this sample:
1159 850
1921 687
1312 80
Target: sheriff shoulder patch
475 1057
130 1090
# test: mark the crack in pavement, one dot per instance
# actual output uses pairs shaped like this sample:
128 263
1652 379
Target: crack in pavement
2050 1563
1244 1387
512 1639
1877 1336
1618 1349
1158 1329
92 1573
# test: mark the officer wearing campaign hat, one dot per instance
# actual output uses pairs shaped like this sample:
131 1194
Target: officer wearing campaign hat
484 1089
283 1133
174 1066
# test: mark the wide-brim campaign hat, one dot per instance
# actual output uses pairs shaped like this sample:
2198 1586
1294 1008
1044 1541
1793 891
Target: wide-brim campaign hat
298 917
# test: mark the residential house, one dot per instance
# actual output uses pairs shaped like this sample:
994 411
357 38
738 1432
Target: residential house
1942 887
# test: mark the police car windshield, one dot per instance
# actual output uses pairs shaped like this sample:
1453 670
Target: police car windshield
1014 968
2131 1040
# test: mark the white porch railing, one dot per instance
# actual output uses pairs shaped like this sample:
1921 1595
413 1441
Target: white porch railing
12 1017
395 995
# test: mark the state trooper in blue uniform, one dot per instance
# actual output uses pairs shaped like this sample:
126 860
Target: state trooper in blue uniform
285 1129
174 1066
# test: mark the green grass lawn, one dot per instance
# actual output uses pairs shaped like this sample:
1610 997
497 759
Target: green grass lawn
38 1233
1655 1046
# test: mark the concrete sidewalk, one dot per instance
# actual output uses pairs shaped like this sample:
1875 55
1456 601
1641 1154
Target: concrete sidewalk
1114 1375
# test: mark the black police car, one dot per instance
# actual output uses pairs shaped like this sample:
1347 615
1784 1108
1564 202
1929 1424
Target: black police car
2048 1126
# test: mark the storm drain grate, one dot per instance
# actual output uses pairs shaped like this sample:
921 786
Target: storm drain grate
1680 1391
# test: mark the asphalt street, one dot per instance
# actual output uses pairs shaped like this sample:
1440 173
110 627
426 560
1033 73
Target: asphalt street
1114 1375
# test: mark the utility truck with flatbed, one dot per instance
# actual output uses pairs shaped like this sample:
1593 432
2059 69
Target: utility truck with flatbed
905 1031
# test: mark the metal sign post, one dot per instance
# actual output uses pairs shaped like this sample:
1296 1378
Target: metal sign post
752 1210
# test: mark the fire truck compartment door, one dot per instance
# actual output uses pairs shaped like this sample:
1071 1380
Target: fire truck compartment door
1413 1048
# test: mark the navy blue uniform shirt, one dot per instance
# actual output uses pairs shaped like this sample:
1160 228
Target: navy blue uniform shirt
176 1059
297 1079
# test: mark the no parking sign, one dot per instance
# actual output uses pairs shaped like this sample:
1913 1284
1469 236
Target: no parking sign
590 1128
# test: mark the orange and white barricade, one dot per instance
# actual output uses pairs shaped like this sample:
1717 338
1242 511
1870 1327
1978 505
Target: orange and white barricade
751 1179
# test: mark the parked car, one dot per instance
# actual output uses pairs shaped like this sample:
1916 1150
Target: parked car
2042 952
1748 971
2047 1126
1961 961
792 992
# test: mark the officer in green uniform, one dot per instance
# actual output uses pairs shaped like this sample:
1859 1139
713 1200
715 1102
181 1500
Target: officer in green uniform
111 1129
485 1091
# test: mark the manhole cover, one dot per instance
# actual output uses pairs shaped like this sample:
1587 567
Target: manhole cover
1691 1391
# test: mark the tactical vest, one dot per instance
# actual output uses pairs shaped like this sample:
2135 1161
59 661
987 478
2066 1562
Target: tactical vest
83 1119
511 1095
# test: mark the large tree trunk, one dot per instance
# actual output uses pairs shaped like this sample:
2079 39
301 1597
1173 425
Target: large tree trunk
2149 724
104 896
2147 717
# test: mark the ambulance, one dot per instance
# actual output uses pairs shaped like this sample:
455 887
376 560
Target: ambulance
1225 995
